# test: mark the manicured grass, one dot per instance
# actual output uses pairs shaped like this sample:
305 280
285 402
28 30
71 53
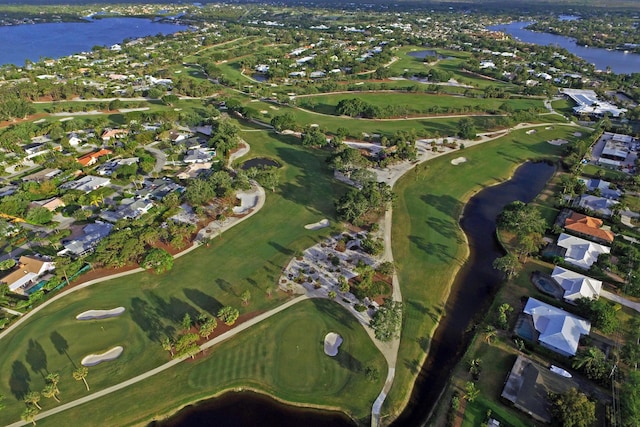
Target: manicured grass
428 245
247 257
419 103
564 106
475 414
609 174
282 356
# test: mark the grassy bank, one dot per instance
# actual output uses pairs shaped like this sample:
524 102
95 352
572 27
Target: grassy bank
429 246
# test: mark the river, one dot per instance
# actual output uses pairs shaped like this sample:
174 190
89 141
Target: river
472 292
54 40
620 62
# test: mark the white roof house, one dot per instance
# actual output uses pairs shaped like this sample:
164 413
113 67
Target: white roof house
87 183
576 285
601 205
580 252
559 330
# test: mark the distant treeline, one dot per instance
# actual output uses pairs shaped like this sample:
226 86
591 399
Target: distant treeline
485 5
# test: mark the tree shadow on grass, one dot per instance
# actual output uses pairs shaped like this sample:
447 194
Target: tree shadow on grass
332 310
19 380
438 250
281 249
444 203
444 228
204 301
348 361
226 286
37 358
174 309
423 309
147 319
412 365
61 345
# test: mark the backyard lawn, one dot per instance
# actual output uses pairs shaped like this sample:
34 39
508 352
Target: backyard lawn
428 244
282 356
247 257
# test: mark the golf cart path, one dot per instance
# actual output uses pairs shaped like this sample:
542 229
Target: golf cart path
223 337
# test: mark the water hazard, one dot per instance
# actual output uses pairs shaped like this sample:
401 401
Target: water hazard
474 286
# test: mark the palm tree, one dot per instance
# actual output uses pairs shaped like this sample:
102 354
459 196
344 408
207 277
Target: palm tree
49 391
33 398
489 333
54 378
470 391
167 345
96 199
80 374
29 414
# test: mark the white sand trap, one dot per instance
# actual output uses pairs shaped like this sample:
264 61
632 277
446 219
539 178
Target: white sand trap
577 134
323 223
458 160
558 142
107 356
264 112
100 314
548 128
531 132
331 343
247 201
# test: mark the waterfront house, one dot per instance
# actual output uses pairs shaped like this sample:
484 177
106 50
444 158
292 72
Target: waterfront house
580 252
588 227
600 205
557 330
576 285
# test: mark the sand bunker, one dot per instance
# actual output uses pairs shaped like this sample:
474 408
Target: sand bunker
558 142
331 343
100 314
107 356
458 160
531 132
247 201
323 223
577 134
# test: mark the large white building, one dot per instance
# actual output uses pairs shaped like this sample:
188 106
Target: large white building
588 103
576 285
580 252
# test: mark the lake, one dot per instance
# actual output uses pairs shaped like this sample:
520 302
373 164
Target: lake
620 62
21 42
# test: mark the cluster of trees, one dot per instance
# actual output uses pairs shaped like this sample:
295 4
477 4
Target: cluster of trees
346 159
387 320
573 409
527 224
601 313
12 106
355 204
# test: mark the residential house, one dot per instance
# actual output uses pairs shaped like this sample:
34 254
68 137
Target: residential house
557 330
580 252
528 387
86 183
128 209
108 134
605 188
109 167
600 205
91 236
33 149
41 176
199 155
51 204
92 158
27 273
588 227
576 285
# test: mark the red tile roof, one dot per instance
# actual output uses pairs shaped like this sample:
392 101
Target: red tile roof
588 226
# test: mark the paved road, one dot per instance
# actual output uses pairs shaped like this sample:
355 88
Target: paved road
161 157
620 300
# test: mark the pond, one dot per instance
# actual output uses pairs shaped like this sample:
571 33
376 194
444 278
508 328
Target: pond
252 409
259 77
259 162
421 54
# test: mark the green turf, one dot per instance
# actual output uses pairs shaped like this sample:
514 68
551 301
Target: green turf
419 103
282 356
428 244
564 106
249 256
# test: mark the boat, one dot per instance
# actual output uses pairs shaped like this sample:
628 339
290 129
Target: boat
557 370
